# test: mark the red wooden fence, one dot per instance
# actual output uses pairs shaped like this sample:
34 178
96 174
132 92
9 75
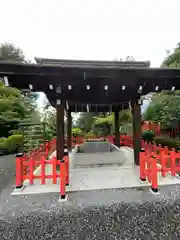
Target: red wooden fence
157 128
150 156
155 159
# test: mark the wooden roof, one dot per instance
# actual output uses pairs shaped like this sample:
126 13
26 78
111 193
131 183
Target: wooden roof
91 63
90 82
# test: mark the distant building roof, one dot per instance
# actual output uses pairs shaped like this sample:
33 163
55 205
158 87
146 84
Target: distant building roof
92 64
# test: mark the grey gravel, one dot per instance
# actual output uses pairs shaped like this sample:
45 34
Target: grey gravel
103 214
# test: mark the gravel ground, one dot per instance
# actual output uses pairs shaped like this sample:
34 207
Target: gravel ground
104 214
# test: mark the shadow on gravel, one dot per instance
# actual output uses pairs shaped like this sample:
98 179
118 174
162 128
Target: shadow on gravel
88 215
7 171
94 215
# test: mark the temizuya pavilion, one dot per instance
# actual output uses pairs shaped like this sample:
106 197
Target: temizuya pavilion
77 86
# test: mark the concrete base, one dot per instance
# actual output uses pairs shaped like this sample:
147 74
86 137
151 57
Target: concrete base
94 147
155 193
93 177
63 200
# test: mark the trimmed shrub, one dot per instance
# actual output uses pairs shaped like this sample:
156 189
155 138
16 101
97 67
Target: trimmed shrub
11 144
3 149
167 141
101 128
77 132
148 136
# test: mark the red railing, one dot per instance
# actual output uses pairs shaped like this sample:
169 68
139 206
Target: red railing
161 161
50 147
157 128
31 163
153 160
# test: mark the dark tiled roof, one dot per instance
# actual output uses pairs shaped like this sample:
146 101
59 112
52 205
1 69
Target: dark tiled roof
92 64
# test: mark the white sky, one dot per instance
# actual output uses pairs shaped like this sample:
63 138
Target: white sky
93 29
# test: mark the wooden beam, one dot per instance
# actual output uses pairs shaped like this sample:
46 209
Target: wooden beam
60 130
116 124
137 132
69 131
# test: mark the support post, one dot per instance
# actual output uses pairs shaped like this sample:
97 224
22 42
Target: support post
60 130
116 124
69 131
137 132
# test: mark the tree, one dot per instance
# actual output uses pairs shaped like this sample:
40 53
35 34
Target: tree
125 116
85 121
18 109
14 107
8 52
49 119
172 60
164 108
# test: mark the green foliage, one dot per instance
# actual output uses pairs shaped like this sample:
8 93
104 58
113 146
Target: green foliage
11 144
12 109
9 52
123 130
164 108
85 121
14 105
173 60
77 132
102 128
48 116
33 135
148 136
125 116
103 123
166 141
17 108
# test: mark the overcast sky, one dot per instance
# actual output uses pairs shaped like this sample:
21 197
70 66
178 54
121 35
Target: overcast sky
92 29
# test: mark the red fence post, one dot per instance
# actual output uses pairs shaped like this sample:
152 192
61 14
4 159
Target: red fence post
154 174
66 159
142 165
19 170
173 162
163 163
62 179
43 170
149 168
54 173
31 170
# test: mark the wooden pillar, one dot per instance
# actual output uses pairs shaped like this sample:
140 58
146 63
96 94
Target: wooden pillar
60 130
116 126
69 131
137 132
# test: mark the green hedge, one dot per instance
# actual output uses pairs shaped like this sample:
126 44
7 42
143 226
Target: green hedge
77 132
11 144
148 136
167 141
